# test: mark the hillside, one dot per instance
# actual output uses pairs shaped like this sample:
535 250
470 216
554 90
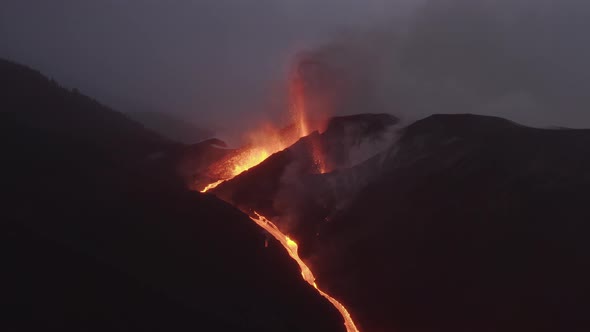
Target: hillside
473 222
101 235
463 222
171 126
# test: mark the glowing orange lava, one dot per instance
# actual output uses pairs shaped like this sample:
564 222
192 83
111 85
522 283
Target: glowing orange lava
267 140
292 249
211 186
263 144
298 110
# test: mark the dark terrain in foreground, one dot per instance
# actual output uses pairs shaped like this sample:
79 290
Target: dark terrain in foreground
475 224
464 223
100 235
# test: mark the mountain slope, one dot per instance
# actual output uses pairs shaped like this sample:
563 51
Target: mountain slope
172 127
464 223
475 223
100 235
289 184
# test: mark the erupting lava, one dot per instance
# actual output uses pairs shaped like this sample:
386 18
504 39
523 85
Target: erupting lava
263 144
211 186
268 140
291 247
298 106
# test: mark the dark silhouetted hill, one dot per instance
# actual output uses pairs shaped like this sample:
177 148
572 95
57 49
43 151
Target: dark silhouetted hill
98 234
464 223
29 99
474 223
172 127
288 184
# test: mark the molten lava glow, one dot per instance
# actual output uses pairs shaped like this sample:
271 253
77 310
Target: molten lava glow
299 114
292 249
211 186
268 140
251 158
298 111
264 143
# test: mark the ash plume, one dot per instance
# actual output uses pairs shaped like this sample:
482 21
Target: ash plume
523 60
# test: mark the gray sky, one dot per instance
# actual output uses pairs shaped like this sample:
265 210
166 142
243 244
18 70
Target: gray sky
210 61
205 60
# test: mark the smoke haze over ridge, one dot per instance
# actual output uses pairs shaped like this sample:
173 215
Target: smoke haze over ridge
225 63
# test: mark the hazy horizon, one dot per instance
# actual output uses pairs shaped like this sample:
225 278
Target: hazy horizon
224 64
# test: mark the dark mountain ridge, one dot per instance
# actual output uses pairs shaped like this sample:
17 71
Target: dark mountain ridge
172 127
464 223
31 100
102 235
474 223
288 185
460 223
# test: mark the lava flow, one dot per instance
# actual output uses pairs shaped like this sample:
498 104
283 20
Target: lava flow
263 144
292 248
268 140
211 186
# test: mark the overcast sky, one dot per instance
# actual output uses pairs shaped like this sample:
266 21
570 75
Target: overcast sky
209 61
202 59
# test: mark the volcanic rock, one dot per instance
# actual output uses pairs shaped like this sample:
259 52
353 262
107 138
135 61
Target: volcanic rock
475 223
99 233
289 186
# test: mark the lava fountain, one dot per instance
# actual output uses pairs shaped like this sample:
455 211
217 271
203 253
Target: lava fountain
268 140
264 143
253 158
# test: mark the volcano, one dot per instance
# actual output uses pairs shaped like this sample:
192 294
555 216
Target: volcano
460 222
451 223
312 154
101 234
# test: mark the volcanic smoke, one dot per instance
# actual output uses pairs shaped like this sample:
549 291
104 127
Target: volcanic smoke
273 142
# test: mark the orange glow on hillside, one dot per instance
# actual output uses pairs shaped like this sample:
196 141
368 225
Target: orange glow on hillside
263 143
211 186
268 140
249 158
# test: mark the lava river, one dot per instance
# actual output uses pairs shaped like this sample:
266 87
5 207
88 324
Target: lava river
270 143
292 249
288 244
